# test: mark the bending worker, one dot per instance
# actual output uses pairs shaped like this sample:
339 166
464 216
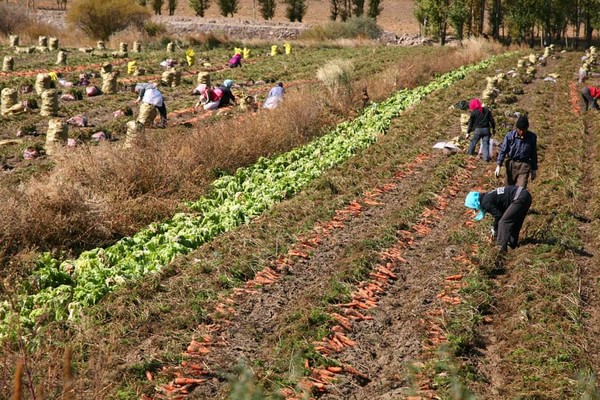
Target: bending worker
149 93
509 206
590 95
519 147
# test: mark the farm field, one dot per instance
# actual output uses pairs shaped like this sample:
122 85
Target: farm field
342 265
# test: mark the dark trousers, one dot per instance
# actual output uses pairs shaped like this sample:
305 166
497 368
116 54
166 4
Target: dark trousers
484 134
588 100
511 222
517 173
162 111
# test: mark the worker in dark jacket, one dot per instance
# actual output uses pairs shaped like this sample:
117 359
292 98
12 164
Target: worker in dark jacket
509 206
482 122
590 95
519 148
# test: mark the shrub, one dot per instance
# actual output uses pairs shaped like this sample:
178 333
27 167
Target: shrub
267 8
157 6
335 75
100 19
172 5
228 7
353 28
199 6
296 10
12 19
154 29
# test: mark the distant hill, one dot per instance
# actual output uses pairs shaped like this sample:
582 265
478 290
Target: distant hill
397 15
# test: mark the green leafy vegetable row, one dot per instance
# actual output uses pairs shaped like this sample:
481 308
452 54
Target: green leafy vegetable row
63 289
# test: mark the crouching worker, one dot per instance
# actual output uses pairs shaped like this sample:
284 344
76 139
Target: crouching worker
149 94
235 61
275 97
209 98
227 97
509 206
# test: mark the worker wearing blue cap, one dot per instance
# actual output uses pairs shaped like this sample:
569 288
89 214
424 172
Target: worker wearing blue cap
509 206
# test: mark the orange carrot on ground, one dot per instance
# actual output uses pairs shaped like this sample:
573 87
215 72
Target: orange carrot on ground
454 277
335 369
189 381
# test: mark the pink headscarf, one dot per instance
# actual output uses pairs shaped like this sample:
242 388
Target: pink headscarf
475 104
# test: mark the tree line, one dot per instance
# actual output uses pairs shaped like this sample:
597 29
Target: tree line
522 21
295 9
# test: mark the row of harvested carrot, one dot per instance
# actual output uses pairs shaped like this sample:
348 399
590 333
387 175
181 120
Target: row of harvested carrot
435 333
198 372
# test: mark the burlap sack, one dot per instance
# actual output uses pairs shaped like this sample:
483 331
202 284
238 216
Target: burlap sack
123 47
100 45
8 64
135 132
57 135
171 47
203 77
53 43
43 41
13 40
42 82
24 49
147 114
8 98
42 49
49 106
176 78
109 82
61 58
137 47
167 77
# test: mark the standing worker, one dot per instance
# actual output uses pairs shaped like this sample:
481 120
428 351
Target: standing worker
482 122
590 94
148 93
519 147
509 206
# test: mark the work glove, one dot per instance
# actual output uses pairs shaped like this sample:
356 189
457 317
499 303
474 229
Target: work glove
533 174
497 172
493 232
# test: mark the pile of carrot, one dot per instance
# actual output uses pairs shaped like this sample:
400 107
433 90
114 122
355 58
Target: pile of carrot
574 97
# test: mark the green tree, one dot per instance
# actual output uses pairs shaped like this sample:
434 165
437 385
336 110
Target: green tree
228 7
267 8
458 14
521 18
296 10
157 6
374 9
496 18
100 19
172 6
199 6
335 8
433 17
358 7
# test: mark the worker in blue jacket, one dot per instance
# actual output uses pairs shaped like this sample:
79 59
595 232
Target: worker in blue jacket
519 148
509 206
